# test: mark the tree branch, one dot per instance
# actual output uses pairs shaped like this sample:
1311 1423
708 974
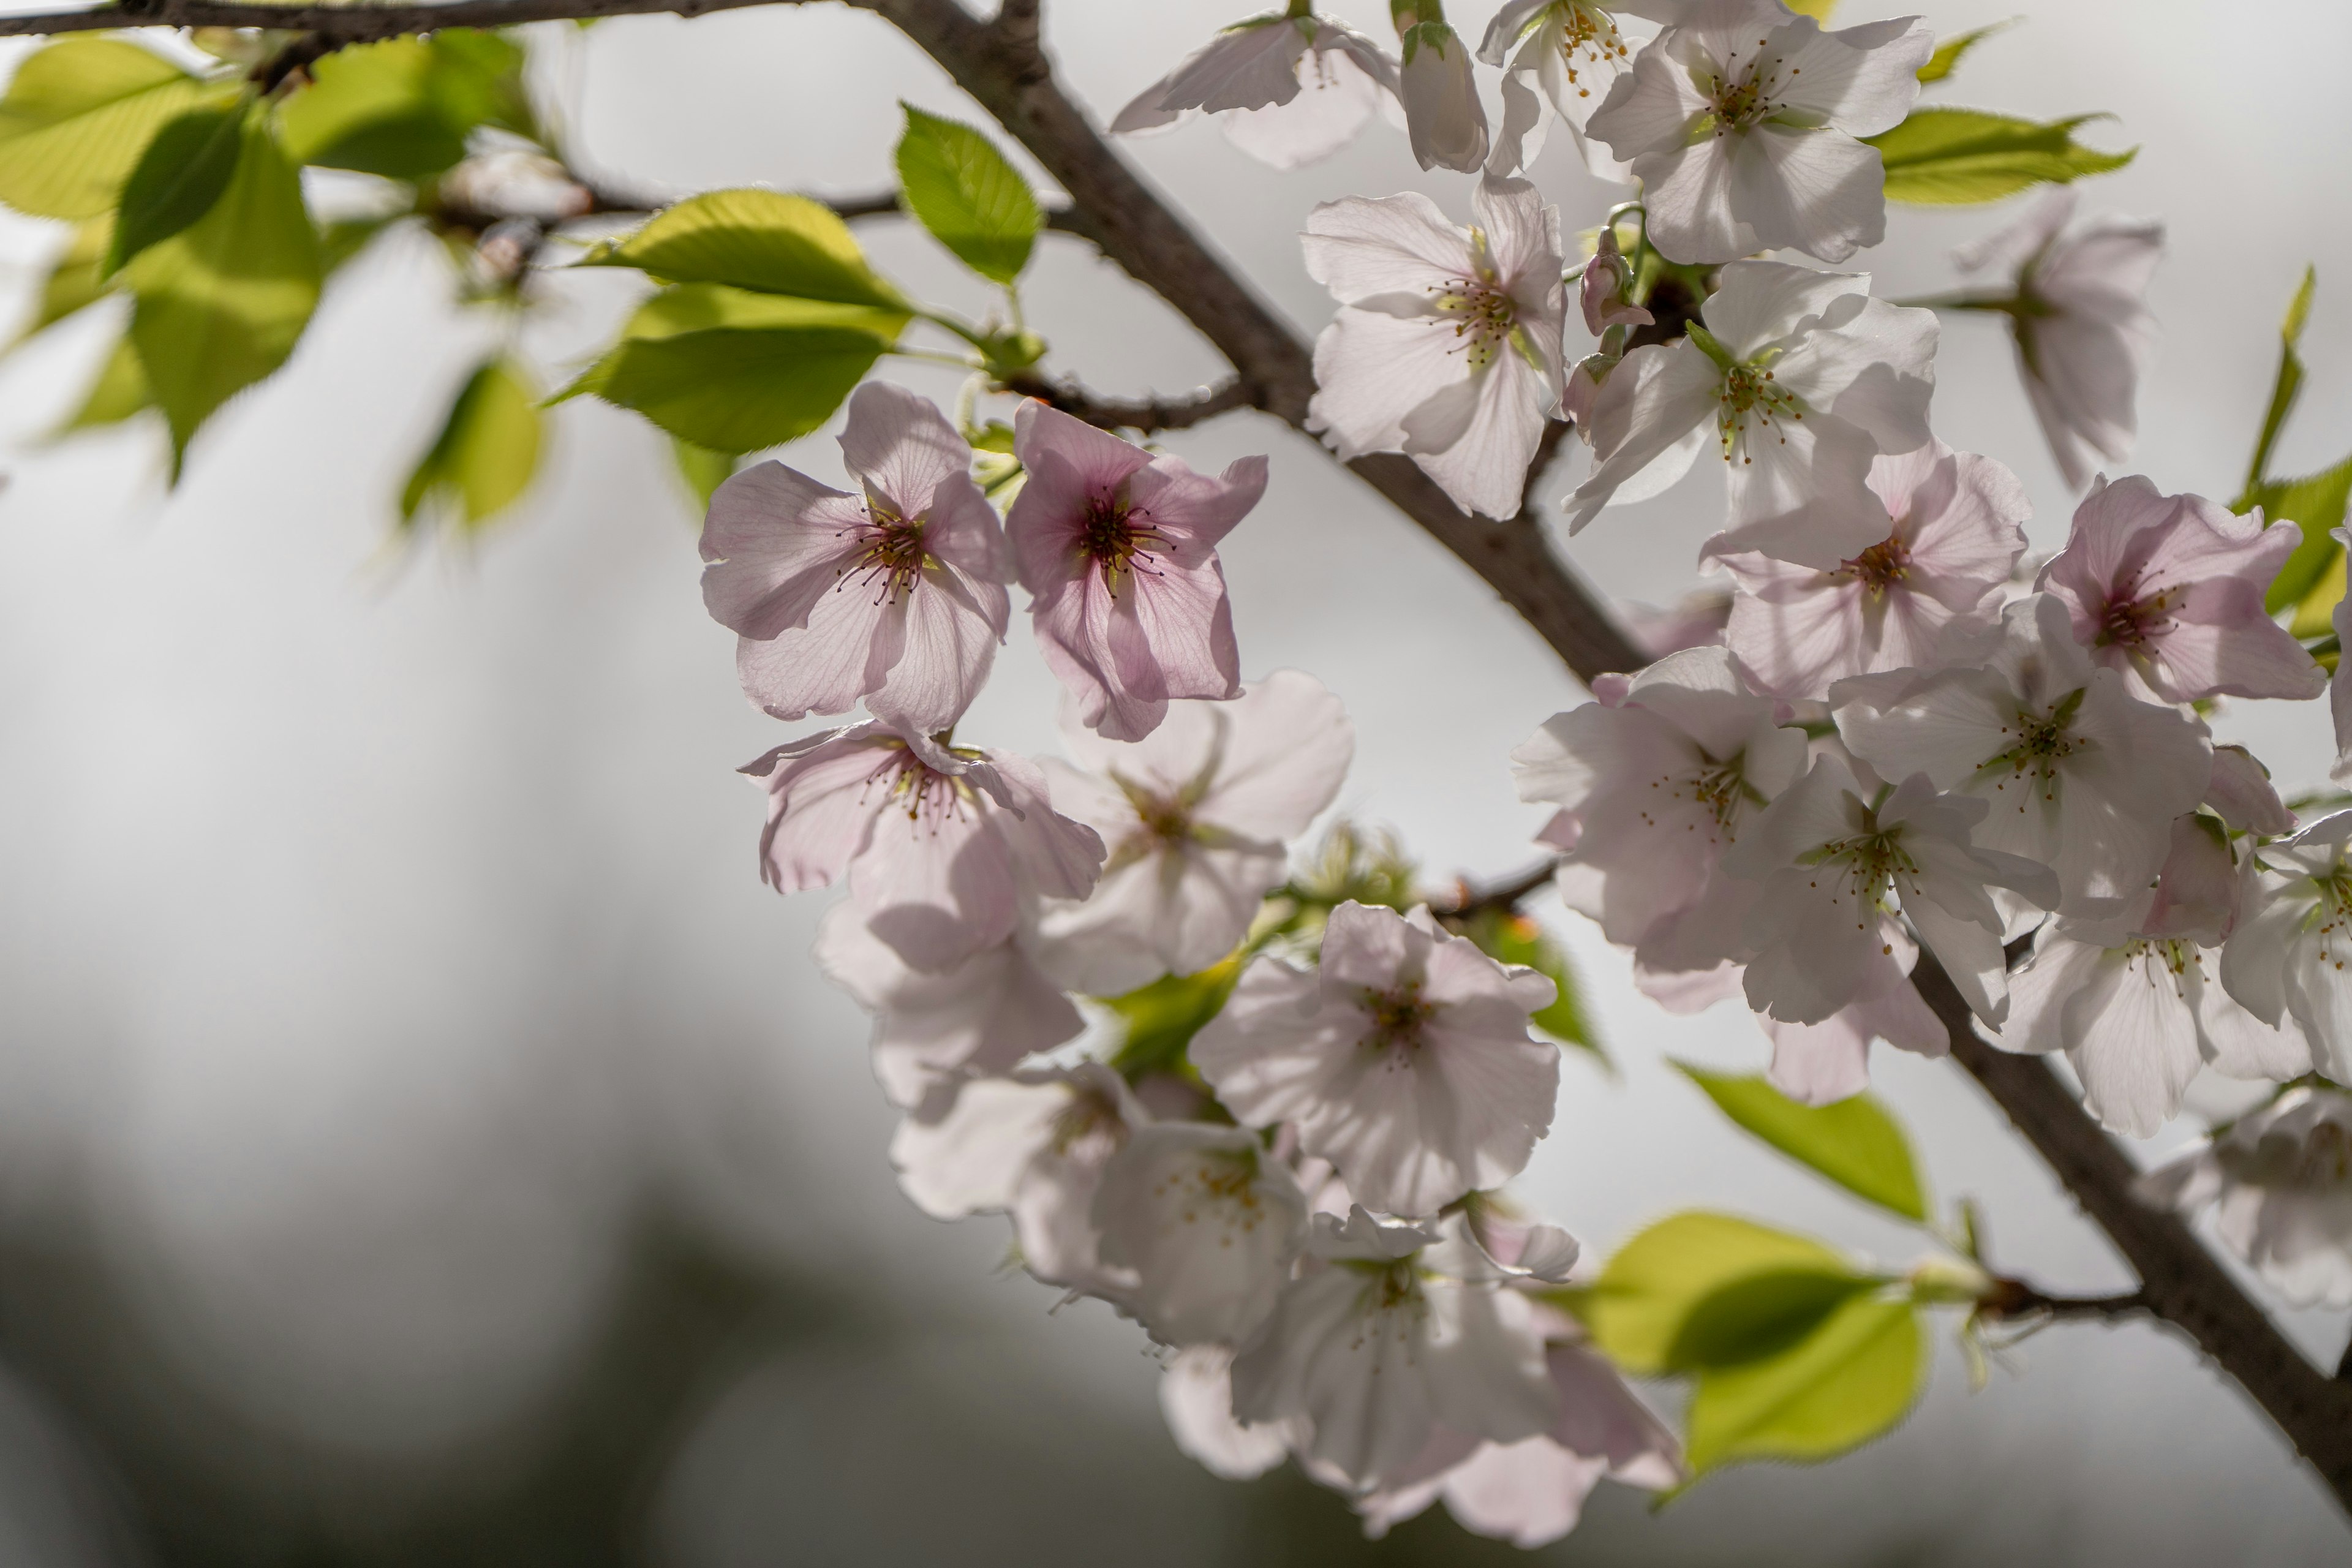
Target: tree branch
2015 1298
1144 414
351 24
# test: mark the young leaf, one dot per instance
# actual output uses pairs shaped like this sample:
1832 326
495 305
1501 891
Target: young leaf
183 172
960 188
1853 1143
758 240
1162 1017
1819 10
120 391
1510 938
1760 1315
1637 1309
1948 52
703 470
1948 157
73 280
2315 503
488 450
1853 1377
76 118
372 108
221 303
2286 387
736 391
477 80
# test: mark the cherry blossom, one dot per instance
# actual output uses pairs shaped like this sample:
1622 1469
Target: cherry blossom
984 1016
1820 1064
2078 311
941 848
2279 1180
1031 1145
1654 782
2082 776
1531 1492
2136 1020
1206 1222
1439 90
2339 685
1447 343
1743 123
2286 957
1836 855
2169 589
1374 1351
1289 89
1805 378
1118 549
1405 1060
1922 596
1197 816
895 596
1196 1397
2240 793
1571 52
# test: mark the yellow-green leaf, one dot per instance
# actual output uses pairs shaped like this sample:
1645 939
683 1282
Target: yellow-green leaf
1945 157
758 240
76 118
119 391
700 307
1948 52
488 450
703 470
1511 938
1853 1143
73 280
1638 1306
2313 578
2286 387
961 189
221 304
403 107
736 390
1852 1378
1760 1315
1819 10
1161 1018
183 172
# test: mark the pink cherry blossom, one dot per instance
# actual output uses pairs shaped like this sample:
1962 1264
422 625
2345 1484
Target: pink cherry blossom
1447 343
1656 781
1118 549
1819 1064
1288 90
2169 589
1744 125
1919 597
984 1015
895 596
941 848
1405 1060
1198 817
2079 313
1207 1222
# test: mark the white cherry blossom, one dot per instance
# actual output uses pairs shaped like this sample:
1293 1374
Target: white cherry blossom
1196 1397
1655 780
1288 90
1404 1058
1924 595
1206 1222
1447 343
1820 1064
1197 816
2078 311
1374 1351
1569 53
2279 1180
984 1016
1802 379
1743 123
2082 776
2286 956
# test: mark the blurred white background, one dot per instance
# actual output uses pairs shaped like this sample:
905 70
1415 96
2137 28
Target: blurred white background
411 1100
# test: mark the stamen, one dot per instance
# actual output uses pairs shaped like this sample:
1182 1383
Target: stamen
1120 539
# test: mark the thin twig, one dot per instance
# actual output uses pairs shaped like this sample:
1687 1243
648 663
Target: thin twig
1509 893
2014 1298
1143 415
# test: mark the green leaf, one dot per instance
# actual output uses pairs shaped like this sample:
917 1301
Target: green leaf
342 240
1946 157
758 240
1948 52
1636 1309
1760 1315
73 280
736 390
76 118
2286 387
2313 578
1853 1143
1510 938
119 391
703 470
221 304
1853 1377
183 172
488 450
477 80
1161 1018
960 188
372 108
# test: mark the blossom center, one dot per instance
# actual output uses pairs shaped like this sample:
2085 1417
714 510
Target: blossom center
1397 1016
1744 98
2044 742
1749 392
2136 622
888 553
1089 1129
1119 538
1481 313
923 793
1719 789
1882 566
1591 36
1224 1186
1868 863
